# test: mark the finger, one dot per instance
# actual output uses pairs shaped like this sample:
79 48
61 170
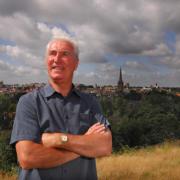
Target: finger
94 128
94 125
102 132
100 129
100 126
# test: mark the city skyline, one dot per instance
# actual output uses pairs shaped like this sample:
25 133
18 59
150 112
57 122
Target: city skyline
141 37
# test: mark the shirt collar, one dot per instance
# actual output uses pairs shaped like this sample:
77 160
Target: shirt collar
49 91
76 91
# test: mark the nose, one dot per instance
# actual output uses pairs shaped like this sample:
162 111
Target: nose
57 58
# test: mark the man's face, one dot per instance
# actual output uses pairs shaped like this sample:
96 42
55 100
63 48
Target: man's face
61 61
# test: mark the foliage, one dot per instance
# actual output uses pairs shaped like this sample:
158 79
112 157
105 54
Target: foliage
142 119
7 109
8 160
7 154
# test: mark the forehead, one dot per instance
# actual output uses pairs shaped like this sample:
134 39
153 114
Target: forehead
61 45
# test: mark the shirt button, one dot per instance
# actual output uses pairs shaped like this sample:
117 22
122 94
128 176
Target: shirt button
67 129
65 171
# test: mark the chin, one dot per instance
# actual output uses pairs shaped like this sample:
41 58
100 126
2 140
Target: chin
57 79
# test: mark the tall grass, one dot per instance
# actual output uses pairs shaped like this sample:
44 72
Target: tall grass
8 177
153 163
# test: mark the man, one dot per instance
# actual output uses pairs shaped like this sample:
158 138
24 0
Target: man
58 131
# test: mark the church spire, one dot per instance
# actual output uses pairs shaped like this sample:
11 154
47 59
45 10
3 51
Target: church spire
120 81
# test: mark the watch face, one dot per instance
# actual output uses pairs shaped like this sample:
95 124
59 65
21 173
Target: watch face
64 138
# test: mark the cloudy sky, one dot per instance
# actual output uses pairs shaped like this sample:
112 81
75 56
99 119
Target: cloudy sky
143 37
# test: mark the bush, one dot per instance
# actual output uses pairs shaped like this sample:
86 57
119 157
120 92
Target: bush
8 159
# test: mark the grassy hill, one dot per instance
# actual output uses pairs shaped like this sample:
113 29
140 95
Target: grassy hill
160 162
153 163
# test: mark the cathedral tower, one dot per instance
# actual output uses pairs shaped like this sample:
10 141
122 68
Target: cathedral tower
120 82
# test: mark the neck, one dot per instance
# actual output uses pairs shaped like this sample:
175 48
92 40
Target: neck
62 88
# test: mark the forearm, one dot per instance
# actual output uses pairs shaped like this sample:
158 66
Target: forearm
33 155
92 145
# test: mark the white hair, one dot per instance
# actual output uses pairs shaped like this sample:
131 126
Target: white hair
66 39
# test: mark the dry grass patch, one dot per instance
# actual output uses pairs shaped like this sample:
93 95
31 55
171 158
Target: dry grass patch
7 177
157 163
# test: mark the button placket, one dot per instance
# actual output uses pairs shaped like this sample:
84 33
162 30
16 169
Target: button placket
65 115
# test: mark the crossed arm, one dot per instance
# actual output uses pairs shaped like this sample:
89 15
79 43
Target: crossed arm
96 142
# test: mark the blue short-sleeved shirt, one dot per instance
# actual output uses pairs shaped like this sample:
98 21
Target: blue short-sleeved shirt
45 110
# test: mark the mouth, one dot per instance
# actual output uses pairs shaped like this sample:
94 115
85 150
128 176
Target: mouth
58 68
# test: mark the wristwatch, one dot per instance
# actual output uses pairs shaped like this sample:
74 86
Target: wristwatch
63 139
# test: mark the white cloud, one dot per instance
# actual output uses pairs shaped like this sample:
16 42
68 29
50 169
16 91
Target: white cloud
5 66
172 62
159 50
22 55
136 66
20 74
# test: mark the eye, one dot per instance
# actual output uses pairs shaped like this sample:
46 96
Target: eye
52 53
66 53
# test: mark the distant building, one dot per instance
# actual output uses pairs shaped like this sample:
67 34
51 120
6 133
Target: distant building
120 84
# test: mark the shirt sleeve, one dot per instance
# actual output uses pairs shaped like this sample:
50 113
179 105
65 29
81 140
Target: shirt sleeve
25 125
97 113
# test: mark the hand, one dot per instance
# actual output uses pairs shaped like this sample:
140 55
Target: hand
96 128
50 139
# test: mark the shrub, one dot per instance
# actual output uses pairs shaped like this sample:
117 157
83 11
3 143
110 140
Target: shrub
7 153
